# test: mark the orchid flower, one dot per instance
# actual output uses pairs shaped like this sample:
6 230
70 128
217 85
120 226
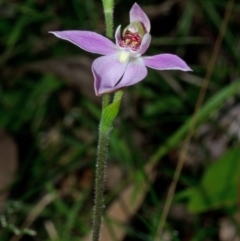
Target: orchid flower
122 64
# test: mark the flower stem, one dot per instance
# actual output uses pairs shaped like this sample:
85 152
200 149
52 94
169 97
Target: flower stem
108 12
99 184
109 112
109 24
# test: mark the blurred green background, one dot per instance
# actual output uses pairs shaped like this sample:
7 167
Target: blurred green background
49 126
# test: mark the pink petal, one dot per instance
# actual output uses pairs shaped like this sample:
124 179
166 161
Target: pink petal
137 15
166 62
135 72
118 36
107 71
118 33
89 41
144 44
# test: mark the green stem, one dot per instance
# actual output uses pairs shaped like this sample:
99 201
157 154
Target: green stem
100 175
105 100
108 12
109 113
109 24
99 184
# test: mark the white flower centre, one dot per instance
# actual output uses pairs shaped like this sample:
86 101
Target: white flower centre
123 56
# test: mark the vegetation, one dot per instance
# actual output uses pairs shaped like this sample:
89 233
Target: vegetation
173 129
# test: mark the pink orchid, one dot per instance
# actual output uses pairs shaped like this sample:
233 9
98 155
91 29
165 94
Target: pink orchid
122 64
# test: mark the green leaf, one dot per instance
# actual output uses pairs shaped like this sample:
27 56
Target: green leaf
110 112
219 185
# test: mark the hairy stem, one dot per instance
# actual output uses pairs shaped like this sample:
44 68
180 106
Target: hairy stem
104 130
109 24
109 113
100 175
99 184
108 12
